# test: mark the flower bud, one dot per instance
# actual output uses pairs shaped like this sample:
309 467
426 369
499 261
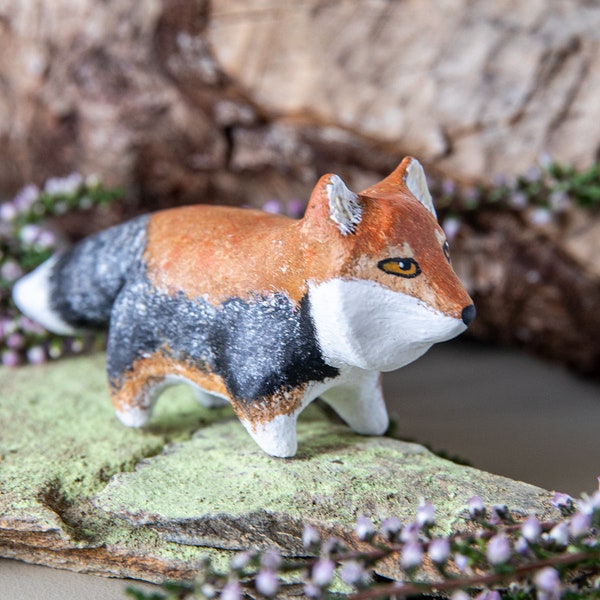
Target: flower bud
439 550
412 556
531 529
498 550
476 507
364 528
267 582
425 515
323 572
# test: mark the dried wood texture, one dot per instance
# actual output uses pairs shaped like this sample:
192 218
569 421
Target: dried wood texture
239 101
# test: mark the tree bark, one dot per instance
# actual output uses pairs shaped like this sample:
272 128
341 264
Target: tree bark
183 101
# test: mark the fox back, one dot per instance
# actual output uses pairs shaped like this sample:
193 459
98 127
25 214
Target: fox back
260 310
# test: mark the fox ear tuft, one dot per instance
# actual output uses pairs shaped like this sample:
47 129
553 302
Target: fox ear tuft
344 205
416 182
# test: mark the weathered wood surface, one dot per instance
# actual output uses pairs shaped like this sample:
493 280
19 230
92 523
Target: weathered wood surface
240 101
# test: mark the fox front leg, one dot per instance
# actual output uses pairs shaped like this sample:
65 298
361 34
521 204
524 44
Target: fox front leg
358 400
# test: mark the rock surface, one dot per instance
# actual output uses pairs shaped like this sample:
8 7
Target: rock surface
79 491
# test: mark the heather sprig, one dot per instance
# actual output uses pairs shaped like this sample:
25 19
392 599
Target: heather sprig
26 240
496 556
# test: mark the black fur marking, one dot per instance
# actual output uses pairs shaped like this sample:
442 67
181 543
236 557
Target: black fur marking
86 279
258 347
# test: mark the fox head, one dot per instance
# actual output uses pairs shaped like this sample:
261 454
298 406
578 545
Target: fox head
390 291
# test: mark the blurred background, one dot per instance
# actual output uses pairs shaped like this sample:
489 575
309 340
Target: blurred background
110 109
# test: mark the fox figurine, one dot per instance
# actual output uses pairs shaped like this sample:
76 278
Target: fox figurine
260 310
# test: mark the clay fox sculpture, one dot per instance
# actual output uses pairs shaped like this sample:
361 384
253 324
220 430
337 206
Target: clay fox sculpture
262 311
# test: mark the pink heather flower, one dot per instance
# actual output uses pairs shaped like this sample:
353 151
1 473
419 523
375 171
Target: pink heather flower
462 562
11 271
531 529
29 233
460 595
518 200
522 547
240 561
271 560
559 534
547 580
310 537
498 550
26 197
295 208
476 507
59 186
36 355
562 501
10 358
540 216
232 591
15 341
391 527
412 556
30 326
488 595
272 206
580 524
352 572
312 591
8 211
451 226
439 550
267 582
46 239
364 528
589 504
323 571
425 515
410 533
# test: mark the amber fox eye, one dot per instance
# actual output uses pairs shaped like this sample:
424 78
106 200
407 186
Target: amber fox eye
403 267
446 249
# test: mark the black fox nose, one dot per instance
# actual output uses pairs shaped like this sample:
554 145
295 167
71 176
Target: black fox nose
468 314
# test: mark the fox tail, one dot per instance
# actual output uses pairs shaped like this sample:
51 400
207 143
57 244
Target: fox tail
75 290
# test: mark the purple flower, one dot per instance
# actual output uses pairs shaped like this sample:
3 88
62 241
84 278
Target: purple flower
323 571
412 556
26 197
488 595
8 211
589 504
460 595
11 270
270 560
240 561
295 208
29 233
310 537
518 200
462 562
580 524
30 326
15 341
559 534
352 572
451 226
364 528
10 358
476 507
63 186
410 533
391 527
562 501
540 216
267 582
448 187
232 591
522 547
498 550
272 206
531 529
425 515
36 355
312 590
547 580
439 550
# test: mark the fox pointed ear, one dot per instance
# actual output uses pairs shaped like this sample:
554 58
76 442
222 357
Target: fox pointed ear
416 182
410 175
331 200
